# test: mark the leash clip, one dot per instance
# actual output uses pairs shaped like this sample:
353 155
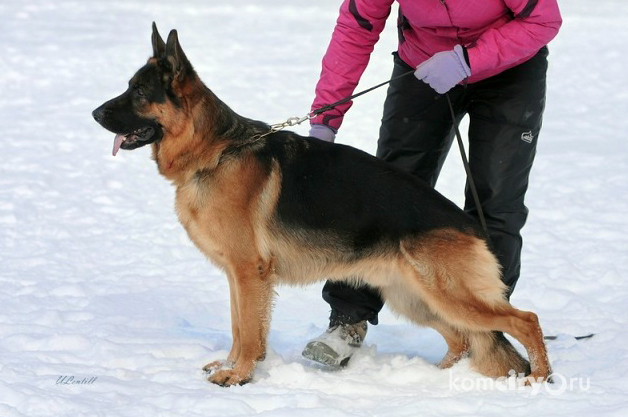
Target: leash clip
292 121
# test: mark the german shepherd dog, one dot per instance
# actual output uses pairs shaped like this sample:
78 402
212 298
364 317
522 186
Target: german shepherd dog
271 207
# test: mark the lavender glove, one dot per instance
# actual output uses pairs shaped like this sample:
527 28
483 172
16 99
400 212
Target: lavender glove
444 70
322 132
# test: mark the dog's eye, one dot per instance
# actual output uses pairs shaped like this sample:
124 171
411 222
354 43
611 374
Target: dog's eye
138 90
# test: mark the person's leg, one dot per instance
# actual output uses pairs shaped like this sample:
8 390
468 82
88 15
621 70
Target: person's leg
416 131
350 304
505 114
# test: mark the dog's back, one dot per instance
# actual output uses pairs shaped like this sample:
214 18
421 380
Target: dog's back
354 197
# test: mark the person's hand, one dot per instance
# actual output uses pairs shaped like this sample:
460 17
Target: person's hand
444 70
322 132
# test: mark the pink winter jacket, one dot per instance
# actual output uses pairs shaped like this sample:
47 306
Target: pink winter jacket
498 34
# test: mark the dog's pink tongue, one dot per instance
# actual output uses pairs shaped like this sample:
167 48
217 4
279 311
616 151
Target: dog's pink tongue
117 142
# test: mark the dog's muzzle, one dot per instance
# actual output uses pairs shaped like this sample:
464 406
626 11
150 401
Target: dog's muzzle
128 140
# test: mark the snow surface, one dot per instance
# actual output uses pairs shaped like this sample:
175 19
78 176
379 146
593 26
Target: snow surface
98 279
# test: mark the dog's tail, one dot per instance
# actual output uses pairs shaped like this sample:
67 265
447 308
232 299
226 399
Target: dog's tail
493 355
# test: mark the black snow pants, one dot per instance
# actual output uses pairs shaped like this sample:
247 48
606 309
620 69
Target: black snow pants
505 116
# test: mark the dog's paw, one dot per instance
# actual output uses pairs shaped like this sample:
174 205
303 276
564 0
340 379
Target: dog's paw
228 377
217 365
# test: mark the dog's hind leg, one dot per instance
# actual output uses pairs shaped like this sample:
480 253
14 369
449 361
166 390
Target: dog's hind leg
400 300
459 279
457 343
493 355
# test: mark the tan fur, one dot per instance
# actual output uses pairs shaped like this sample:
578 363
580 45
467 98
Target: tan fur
445 279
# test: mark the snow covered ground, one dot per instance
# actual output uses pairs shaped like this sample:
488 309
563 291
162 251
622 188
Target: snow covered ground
98 280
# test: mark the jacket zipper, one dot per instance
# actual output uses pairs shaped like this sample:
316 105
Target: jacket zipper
443 3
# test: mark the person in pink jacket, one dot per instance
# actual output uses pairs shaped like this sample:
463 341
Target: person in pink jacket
490 57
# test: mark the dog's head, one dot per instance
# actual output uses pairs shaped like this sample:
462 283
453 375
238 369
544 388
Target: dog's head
153 106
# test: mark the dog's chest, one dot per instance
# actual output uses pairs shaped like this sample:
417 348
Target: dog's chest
195 210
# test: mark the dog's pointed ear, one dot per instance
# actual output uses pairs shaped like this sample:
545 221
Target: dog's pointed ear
159 46
174 54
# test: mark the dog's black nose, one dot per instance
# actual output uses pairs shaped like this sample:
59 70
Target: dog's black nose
99 114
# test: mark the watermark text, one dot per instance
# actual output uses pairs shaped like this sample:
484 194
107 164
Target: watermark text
515 382
72 380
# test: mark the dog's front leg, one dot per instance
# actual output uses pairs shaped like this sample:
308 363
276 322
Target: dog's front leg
235 331
253 291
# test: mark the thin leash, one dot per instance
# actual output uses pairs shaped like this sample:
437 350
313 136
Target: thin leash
294 121
467 168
